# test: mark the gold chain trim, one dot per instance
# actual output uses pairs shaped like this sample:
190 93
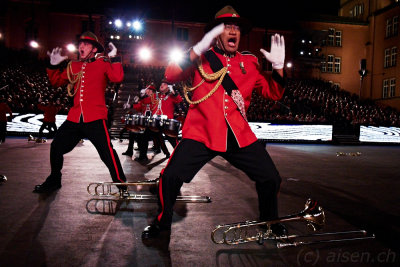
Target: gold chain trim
77 77
206 77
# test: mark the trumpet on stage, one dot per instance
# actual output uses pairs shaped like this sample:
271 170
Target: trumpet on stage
111 190
251 231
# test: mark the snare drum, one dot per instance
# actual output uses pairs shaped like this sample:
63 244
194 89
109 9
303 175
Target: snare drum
171 127
131 123
142 121
155 123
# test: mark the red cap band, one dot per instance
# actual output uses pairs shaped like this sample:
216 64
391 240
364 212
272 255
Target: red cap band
228 16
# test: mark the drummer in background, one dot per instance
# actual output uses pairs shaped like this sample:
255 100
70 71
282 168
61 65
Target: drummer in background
146 106
167 99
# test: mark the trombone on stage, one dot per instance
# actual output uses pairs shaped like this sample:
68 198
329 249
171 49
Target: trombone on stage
110 190
259 231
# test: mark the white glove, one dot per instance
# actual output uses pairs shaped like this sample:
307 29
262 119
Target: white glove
55 56
126 106
136 99
208 39
277 54
113 49
142 92
171 89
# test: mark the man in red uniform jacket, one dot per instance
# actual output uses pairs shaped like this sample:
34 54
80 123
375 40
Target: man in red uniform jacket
87 79
49 119
167 99
223 80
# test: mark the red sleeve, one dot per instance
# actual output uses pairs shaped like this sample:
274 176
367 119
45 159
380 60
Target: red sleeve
177 99
57 77
115 72
268 86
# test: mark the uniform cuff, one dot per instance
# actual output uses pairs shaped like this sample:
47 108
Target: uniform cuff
116 59
279 79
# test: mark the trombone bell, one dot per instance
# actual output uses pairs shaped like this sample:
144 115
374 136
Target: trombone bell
249 231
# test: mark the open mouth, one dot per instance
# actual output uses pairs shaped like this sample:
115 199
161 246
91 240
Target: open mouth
232 42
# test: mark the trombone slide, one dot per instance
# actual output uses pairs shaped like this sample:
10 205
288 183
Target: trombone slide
110 190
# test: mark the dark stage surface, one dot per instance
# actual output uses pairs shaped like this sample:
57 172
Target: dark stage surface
70 228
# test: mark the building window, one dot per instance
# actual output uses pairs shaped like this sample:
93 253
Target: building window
182 34
337 64
355 11
338 38
385 88
331 36
388 27
395 26
330 63
361 9
393 56
386 63
323 66
392 87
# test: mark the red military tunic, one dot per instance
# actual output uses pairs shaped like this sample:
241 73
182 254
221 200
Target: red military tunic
147 103
207 122
89 100
50 112
167 104
4 109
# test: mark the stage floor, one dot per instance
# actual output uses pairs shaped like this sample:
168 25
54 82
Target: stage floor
71 228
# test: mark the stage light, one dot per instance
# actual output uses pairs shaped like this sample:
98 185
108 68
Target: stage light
71 47
289 64
34 44
118 23
176 55
137 25
112 36
145 53
110 22
1 35
128 24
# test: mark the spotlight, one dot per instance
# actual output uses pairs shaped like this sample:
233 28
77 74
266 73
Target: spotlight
176 55
145 53
289 65
118 23
34 44
137 25
128 24
71 47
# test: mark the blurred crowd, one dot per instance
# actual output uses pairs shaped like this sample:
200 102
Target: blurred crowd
320 102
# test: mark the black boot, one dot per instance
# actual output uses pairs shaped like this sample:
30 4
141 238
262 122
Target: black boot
128 153
154 230
50 185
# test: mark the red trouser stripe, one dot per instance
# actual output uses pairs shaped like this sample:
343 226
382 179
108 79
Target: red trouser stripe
111 151
161 199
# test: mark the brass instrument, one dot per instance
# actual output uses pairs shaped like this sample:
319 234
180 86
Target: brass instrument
251 231
110 190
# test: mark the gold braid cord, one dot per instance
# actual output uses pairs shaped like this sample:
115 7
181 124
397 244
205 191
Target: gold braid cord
76 78
206 77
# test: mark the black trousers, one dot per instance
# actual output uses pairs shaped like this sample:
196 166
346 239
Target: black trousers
190 156
51 127
3 131
68 136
